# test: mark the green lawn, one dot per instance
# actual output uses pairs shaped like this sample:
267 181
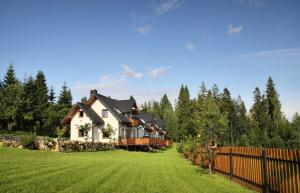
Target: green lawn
114 171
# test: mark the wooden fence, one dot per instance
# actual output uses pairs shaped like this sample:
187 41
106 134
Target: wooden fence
262 169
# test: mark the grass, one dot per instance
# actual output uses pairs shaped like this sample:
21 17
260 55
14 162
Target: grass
113 171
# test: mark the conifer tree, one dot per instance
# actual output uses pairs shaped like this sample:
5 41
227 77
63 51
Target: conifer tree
213 126
42 103
29 104
183 112
52 95
274 109
65 96
10 98
226 108
10 76
259 120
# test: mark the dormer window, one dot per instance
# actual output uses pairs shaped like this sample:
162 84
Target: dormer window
104 113
80 113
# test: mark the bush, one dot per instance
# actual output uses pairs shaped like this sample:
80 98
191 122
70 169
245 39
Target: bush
28 141
77 146
179 147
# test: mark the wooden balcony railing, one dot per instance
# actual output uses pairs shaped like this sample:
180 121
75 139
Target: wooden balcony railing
134 122
144 141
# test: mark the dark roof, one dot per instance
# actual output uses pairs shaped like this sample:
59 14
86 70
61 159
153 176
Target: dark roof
90 113
125 106
117 107
147 117
160 123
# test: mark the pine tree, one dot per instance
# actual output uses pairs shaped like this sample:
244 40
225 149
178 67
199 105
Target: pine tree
242 123
259 120
10 98
294 136
165 104
10 77
52 95
83 99
199 107
171 120
29 104
215 93
227 108
156 110
213 126
274 109
42 102
183 112
65 96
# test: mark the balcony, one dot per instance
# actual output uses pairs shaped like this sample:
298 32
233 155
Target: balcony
145 141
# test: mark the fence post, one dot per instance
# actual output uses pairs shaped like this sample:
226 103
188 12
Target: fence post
264 172
231 164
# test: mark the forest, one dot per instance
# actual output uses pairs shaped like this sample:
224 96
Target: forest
31 106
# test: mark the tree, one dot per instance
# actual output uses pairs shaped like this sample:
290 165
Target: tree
10 96
171 122
65 97
227 108
274 109
241 127
165 104
11 103
156 110
10 77
259 120
213 126
294 135
52 95
183 112
215 92
83 99
41 97
29 104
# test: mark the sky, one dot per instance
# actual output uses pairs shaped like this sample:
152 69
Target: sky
148 48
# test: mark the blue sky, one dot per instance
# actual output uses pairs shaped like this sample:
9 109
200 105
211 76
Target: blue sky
147 48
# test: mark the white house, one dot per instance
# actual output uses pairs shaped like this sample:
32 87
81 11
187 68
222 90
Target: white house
101 112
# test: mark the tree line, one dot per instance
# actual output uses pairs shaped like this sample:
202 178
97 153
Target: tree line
214 117
30 106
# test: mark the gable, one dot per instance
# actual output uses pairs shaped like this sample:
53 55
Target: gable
86 109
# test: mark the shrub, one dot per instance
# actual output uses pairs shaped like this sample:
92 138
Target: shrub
179 147
28 141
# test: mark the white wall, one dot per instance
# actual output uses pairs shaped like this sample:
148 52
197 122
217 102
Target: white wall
97 106
75 123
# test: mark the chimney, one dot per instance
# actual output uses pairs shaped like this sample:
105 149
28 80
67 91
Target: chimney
92 92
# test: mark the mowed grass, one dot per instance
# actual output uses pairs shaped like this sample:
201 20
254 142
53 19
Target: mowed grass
113 171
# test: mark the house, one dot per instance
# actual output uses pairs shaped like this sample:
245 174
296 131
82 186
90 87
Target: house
111 120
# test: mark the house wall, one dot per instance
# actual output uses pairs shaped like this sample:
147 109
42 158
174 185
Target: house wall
75 123
97 106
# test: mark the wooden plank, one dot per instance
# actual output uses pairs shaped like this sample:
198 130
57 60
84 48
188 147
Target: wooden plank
296 172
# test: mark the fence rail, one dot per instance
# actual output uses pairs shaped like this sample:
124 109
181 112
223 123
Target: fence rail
263 169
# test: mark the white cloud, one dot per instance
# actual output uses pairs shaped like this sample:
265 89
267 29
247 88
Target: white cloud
189 46
167 6
145 30
127 71
159 71
120 87
273 52
253 3
106 84
232 30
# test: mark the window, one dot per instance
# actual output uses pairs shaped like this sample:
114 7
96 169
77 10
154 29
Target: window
104 113
80 113
105 134
80 134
